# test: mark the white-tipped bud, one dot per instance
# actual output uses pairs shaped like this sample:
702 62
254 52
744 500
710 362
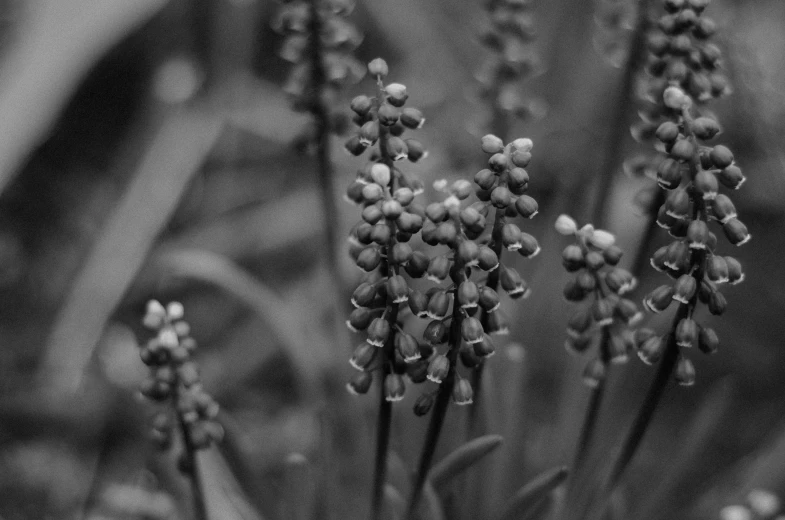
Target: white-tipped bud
154 315
440 184
452 203
565 225
380 173
764 503
523 144
675 98
175 311
602 239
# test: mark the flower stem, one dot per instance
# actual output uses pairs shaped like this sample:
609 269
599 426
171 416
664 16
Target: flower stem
195 477
439 410
592 411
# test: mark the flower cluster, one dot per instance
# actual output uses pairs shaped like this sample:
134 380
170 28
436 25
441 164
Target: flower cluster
503 185
509 36
322 63
680 54
174 378
380 242
760 505
692 174
606 320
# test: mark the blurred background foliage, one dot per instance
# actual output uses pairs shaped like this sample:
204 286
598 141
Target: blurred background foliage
147 150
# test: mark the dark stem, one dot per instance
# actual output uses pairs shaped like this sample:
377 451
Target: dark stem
197 488
385 407
438 412
321 115
618 129
593 410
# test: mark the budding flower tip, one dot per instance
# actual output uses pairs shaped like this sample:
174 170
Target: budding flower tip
433 379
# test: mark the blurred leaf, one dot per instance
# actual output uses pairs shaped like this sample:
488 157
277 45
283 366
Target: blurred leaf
299 488
394 502
531 496
307 354
431 504
462 459
176 152
58 42
223 496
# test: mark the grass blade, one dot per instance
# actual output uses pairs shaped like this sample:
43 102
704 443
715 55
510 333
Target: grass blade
462 459
533 494
178 150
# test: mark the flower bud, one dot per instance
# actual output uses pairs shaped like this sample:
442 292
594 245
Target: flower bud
392 209
394 387
446 233
705 128
378 332
491 144
438 368
706 183
439 305
488 299
418 264
471 330
593 373
717 303
155 315
512 283
667 132
698 234
684 288
369 259
578 344
677 254
363 295
468 294
526 206
468 253
485 348
723 208
372 214
677 204
511 237
565 225
572 258
423 404
684 373
736 232
501 197
669 174
573 292
686 332
418 303
486 179
361 105
396 94
659 299
412 118
682 150
396 148
628 311
407 347
731 177
369 133
487 260
675 98
380 173
498 162
652 349
363 356
721 156
462 393
354 146
708 342
735 272
359 319
435 332
529 246
518 180
717 269
397 289
360 383
415 151
620 281
602 312
378 67
594 260
438 268
496 323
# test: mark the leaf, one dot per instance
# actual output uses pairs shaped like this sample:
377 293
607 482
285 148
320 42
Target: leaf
308 355
177 151
223 497
299 487
56 45
533 494
431 504
462 459
394 502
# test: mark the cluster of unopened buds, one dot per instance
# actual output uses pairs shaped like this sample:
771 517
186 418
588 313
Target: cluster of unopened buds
607 320
692 174
759 505
680 54
614 19
319 42
509 36
174 379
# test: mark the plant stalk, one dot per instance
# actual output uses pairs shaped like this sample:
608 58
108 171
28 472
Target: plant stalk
194 476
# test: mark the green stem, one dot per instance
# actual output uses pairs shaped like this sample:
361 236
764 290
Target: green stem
618 128
194 475
438 412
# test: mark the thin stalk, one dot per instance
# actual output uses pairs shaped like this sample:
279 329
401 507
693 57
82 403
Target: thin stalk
384 419
439 410
194 475
619 125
